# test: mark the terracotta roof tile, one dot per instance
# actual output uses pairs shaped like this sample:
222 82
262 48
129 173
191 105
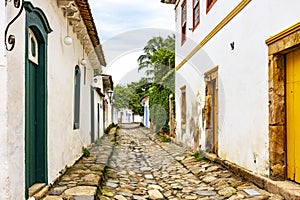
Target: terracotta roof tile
87 17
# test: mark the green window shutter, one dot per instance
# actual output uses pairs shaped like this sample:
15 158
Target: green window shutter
76 97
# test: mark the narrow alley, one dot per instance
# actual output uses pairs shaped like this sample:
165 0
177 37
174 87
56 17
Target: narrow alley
133 163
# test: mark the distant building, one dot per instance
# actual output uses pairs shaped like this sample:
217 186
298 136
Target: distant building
46 95
237 74
108 87
146 117
125 116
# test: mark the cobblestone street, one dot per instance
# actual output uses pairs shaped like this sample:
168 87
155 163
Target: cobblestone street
138 165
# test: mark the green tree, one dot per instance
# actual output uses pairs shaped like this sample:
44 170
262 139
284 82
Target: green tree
130 95
159 60
122 96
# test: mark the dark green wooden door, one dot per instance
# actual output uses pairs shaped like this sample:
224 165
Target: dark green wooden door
36 143
32 123
36 36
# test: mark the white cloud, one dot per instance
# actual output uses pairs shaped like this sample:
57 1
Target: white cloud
113 17
124 27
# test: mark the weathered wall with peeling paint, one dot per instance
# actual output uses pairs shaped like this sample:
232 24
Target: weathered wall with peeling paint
243 77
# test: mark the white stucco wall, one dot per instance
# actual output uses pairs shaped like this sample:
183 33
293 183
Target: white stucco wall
15 107
4 174
62 60
109 110
243 76
64 143
98 100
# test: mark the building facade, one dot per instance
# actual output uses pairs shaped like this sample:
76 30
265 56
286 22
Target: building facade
46 79
237 70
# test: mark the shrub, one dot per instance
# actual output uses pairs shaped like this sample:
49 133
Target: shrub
86 152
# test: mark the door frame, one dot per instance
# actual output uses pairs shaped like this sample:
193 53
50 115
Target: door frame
36 20
278 46
92 114
211 104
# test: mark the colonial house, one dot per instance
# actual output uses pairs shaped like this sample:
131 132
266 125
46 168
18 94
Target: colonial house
48 55
237 82
102 101
108 86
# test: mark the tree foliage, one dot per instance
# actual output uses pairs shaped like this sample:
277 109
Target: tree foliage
130 95
159 61
159 106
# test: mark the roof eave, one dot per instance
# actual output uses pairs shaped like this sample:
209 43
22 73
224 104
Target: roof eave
88 20
168 1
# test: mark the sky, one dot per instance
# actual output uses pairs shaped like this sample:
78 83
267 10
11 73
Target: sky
124 27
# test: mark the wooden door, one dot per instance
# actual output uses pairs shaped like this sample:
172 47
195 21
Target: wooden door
32 125
35 109
293 114
215 116
211 111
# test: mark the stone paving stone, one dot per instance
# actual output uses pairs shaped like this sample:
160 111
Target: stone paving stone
155 194
150 169
58 190
53 198
80 182
142 167
81 191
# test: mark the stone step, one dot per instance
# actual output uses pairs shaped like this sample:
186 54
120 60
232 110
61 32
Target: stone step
79 192
38 190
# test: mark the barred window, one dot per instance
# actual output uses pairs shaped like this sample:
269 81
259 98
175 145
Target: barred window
196 13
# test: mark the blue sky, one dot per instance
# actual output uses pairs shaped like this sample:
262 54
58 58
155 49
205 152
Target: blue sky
124 27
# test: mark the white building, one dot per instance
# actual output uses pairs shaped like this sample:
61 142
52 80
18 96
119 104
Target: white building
125 116
102 117
108 86
97 108
45 106
146 117
237 73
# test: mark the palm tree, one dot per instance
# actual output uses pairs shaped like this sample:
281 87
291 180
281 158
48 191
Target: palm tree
158 57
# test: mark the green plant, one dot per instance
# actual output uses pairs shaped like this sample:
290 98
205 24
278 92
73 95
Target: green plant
86 152
199 156
164 139
159 106
166 128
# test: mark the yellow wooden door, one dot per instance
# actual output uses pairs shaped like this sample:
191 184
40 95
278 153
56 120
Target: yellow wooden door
293 114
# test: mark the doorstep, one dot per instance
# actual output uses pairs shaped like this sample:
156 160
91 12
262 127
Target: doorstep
289 190
38 190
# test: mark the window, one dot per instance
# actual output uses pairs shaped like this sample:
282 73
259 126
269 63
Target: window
33 50
76 97
209 4
183 108
196 13
183 22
